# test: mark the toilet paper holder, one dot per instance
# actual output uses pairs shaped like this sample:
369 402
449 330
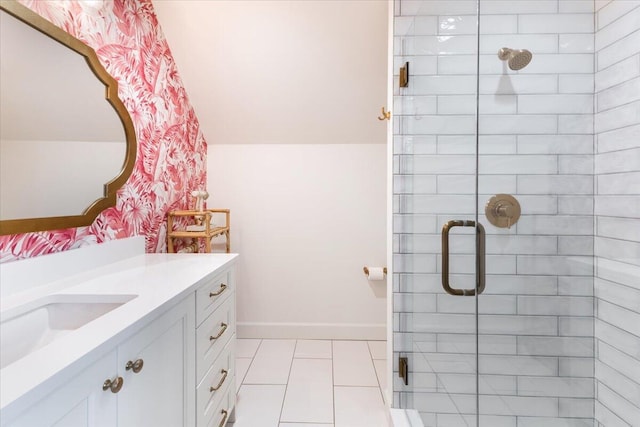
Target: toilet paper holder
366 270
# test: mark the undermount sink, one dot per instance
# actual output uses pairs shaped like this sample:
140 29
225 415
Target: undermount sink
29 327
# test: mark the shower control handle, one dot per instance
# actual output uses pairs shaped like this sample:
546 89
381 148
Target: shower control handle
480 258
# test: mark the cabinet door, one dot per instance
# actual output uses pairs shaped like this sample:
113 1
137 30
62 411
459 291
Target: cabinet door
80 402
162 392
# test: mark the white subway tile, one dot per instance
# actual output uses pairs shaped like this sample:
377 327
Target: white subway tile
559 104
559 305
418 66
619 183
560 387
618 73
414 224
617 338
436 125
563 265
497 144
576 205
555 422
555 184
456 144
575 326
618 161
518 7
529 164
498 24
414 105
618 139
613 379
621 317
576 6
512 84
575 124
622 206
622 49
556 346
438 164
563 63
408 303
572 408
626 410
537 205
580 165
576 83
618 228
540 43
521 285
518 365
517 244
439 45
414 263
443 85
555 144
487 344
556 225
581 367
606 418
521 406
625 25
414 145
457 64
514 124
575 245
622 362
489 304
624 93
613 11
575 285
625 274
465 184
438 7
456 25
577 43
417 184
560 23
517 325
621 250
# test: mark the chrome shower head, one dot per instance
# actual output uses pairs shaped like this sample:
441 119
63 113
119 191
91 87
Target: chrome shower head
516 58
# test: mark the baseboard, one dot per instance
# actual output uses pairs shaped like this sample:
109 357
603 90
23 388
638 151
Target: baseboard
312 331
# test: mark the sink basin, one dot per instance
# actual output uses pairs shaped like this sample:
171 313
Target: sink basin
29 327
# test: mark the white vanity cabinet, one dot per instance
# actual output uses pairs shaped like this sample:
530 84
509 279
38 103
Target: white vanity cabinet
159 394
173 366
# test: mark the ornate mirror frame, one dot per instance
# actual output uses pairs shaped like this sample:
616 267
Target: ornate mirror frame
16 226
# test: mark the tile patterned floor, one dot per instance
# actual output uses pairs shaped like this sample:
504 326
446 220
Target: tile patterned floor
310 383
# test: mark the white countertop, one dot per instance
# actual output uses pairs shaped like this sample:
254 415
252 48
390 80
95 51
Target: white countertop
157 280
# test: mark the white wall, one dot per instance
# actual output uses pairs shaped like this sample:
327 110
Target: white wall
287 94
305 222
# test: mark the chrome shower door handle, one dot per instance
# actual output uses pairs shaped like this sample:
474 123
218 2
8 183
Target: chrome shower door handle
480 258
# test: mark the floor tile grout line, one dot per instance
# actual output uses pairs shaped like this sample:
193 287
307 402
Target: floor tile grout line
333 388
286 387
253 358
376 372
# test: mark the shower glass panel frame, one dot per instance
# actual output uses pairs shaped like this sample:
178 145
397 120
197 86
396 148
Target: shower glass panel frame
466 128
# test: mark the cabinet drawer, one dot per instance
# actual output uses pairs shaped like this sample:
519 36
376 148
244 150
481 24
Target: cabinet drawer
219 416
210 295
213 334
217 381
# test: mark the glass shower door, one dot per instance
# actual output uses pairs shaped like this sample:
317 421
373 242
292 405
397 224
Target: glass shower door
493 212
535 174
435 205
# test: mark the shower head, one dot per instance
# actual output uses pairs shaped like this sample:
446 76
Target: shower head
516 58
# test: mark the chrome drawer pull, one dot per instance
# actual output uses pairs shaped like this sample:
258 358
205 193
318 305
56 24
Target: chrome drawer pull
223 288
220 332
224 377
224 419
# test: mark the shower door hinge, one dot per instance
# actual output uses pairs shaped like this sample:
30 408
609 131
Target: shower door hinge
403 75
403 369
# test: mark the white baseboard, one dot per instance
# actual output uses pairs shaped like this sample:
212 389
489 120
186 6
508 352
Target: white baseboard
312 331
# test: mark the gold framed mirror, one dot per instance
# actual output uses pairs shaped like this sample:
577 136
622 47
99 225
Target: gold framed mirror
84 212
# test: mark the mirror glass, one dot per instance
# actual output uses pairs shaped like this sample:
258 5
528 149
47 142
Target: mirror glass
61 140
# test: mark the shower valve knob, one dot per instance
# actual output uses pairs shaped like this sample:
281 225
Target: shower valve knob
502 210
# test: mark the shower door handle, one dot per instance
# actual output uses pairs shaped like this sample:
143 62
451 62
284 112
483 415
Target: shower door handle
480 258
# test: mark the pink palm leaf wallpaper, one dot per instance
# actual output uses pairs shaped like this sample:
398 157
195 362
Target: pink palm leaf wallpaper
171 157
